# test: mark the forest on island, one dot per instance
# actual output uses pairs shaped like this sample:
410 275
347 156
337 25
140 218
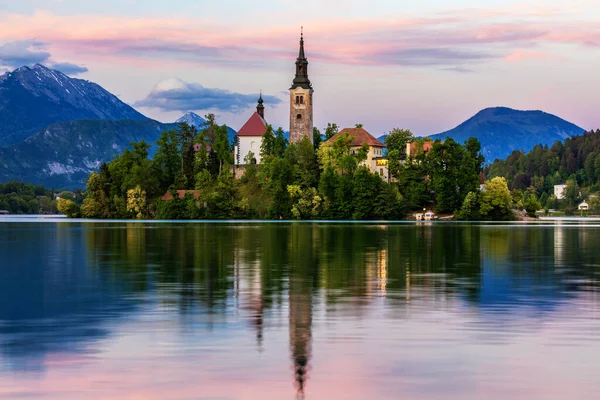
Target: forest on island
574 163
304 180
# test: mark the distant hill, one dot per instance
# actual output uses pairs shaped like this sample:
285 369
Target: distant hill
193 119
63 154
502 130
33 98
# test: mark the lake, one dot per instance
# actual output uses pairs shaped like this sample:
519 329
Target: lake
241 310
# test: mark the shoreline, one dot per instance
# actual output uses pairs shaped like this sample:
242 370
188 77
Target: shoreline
32 218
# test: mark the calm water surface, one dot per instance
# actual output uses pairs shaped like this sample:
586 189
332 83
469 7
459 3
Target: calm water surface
239 311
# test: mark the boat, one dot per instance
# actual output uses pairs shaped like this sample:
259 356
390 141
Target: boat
429 216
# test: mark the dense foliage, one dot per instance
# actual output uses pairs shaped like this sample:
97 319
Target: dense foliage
303 180
532 176
24 198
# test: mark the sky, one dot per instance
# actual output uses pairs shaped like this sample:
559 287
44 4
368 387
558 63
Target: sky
424 65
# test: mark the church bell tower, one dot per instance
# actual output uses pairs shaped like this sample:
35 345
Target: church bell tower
301 100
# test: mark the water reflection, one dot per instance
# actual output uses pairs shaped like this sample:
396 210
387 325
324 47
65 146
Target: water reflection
65 287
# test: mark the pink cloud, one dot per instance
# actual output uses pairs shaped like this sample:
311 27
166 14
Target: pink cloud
445 39
527 55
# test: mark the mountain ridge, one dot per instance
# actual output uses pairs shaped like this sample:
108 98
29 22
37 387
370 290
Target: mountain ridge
33 98
63 154
501 130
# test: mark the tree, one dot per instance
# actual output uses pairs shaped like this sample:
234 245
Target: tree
136 202
68 208
571 193
397 139
186 136
358 125
317 138
305 168
365 189
307 202
470 210
280 144
532 205
331 130
267 147
445 161
167 159
222 148
496 200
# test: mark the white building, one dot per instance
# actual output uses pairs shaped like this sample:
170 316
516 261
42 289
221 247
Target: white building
249 137
559 191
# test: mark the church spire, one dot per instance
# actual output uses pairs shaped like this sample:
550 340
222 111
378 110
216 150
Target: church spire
260 108
301 78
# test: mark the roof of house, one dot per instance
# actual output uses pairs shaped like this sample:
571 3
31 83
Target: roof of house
360 135
255 126
181 194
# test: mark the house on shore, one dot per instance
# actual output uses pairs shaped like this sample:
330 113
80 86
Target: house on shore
375 161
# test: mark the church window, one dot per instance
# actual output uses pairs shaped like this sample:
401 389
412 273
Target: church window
297 99
299 116
301 99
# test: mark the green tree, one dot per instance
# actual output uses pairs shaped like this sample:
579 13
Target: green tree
532 205
69 208
496 201
167 159
280 144
267 147
317 139
470 210
397 139
306 202
571 193
186 137
331 130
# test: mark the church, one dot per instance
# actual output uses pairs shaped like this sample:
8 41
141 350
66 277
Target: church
249 137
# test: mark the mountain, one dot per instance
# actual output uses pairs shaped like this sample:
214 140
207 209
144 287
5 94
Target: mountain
33 98
502 130
63 154
193 119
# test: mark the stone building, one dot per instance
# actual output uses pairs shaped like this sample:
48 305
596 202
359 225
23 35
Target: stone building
301 100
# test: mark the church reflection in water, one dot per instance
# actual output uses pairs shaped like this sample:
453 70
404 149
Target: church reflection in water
275 276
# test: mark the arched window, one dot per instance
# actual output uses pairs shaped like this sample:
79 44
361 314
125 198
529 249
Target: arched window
301 99
381 172
297 99
299 116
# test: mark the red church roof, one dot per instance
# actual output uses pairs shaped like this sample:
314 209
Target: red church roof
256 126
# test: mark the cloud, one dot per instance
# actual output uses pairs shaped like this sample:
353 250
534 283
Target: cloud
22 52
461 70
443 38
526 55
428 57
176 95
69 69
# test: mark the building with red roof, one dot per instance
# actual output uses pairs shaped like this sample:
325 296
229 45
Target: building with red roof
249 137
376 162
